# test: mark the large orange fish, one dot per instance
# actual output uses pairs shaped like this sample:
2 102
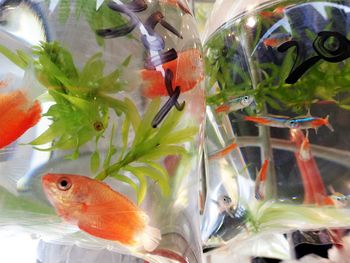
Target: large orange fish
187 69
99 210
17 115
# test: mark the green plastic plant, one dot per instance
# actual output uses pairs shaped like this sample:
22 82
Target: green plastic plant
234 75
80 114
103 17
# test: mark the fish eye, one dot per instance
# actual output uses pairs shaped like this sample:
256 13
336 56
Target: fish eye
293 123
245 99
227 199
64 184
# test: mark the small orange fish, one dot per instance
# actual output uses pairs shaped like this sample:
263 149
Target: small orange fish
261 180
17 115
187 69
178 4
99 210
277 12
223 152
275 42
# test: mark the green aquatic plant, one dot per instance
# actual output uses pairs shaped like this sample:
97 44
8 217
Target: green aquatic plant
81 114
269 216
103 17
235 72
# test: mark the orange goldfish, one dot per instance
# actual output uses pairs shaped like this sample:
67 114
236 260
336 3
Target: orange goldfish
99 210
17 115
187 69
223 152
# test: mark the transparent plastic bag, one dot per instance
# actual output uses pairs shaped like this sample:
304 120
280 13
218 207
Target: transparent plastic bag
277 119
110 91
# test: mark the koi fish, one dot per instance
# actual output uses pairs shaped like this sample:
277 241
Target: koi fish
304 122
17 115
276 40
260 180
235 104
99 210
187 71
223 152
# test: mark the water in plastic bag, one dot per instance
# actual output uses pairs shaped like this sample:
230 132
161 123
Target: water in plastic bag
277 122
101 124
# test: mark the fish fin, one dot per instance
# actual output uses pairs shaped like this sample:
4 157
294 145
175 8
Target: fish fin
150 238
258 120
230 213
308 114
328 124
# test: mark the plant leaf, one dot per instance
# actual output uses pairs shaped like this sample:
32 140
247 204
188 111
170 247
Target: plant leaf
179 136
95 161
157 175
142 182
15 58
161 151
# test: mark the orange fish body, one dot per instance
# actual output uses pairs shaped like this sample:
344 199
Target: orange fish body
275 42
187 70
17 115
223 152
277 12
99 210
178 4
261 180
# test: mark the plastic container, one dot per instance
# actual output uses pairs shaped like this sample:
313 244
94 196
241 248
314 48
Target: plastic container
278 122
111 91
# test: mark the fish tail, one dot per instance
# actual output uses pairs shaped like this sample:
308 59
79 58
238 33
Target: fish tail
256 119
328 124
150 238
264 170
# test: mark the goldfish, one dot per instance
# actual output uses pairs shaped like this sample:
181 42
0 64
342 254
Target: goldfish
187 71
17 115
304 122
260 180
99 210
223 152
235 104
276 41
